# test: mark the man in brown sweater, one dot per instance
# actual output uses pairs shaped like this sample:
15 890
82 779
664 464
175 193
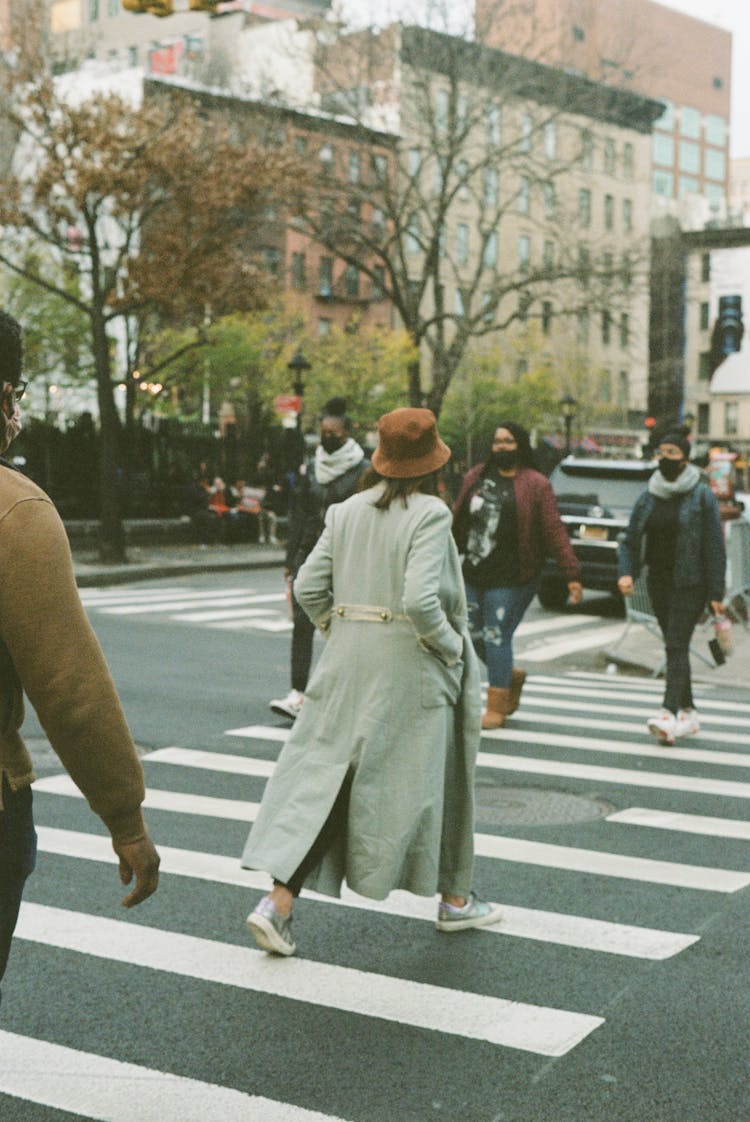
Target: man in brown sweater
48 649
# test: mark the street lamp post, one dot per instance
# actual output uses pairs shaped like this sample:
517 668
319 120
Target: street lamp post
567 405
298 365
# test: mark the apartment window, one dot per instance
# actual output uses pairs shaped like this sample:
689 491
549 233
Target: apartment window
493 121
413 162
690 122
524 303
704 366
624 330
550 140
412 234
703 418
582 327
272 260
524 195
548 255
730 418
300 145
578 34
326 159
605 387
703 315
628 161
609 157
93 11
609 212
132 56
351 280
490 250
584 206
491 183
527 126
666 121
690 156
627 215
488 307
549 200
715 164
298 270
688 186
626 274
524 252
378 224
546 316
462 112
622 389
380 166
114 7
324 327
714 192
608 264
584 264
705 267
441 109
462 169
716 130
717 82
587 149
606 328
354 167
325 276
462 243
663 183
663 149
378 282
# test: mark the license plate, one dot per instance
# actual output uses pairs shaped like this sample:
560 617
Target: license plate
593 533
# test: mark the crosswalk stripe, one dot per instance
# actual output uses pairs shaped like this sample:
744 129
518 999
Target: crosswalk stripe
534 713
513 1024
101 1089
626 681
512 735
486 845
213 761
545 626
146 595
178 605
523 923
554 688
233 613
267 624
540 700
579 641
685 823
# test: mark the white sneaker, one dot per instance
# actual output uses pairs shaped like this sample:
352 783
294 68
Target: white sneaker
288 706
663 726
687 723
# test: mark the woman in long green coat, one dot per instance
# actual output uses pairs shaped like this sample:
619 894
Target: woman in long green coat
375 784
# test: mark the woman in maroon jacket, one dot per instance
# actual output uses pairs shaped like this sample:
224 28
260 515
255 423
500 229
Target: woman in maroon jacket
506 523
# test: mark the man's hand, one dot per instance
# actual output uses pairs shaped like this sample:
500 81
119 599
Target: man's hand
575 591
625 585
139 858
717 608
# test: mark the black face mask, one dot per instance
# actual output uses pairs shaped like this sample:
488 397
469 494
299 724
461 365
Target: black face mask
331 444
670 469
505 459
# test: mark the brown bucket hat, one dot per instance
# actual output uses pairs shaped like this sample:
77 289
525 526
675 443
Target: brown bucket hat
409 444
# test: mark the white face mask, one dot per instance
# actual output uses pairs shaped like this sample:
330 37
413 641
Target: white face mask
10 428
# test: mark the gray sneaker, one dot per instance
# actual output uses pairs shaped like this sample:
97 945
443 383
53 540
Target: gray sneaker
271 930
474 913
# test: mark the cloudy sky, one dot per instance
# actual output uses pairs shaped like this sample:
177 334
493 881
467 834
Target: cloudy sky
734 15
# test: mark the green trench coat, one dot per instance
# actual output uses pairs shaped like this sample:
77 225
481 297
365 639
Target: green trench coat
395 698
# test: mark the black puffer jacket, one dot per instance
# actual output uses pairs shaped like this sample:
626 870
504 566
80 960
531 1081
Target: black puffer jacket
308 509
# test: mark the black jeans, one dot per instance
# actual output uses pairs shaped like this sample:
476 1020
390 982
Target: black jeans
678 611
335 822
303 633
17 860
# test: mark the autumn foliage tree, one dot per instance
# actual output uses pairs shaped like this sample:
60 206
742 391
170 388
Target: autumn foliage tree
155 208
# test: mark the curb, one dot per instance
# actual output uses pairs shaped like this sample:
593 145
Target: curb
130 574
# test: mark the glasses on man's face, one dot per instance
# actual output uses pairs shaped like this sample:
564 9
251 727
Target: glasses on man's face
17 391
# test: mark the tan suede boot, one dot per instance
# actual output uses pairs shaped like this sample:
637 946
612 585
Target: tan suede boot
497 707
517 679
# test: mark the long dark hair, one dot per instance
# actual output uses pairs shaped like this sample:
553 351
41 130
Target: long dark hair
523 440
398 488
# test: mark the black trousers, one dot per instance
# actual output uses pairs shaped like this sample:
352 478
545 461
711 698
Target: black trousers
678 611
17 860
303 633
334 823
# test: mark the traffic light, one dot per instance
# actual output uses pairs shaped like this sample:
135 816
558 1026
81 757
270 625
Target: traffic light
153 7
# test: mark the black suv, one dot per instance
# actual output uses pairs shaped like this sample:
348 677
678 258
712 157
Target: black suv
595 498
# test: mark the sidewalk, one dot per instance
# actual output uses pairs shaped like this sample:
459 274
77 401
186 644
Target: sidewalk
146 562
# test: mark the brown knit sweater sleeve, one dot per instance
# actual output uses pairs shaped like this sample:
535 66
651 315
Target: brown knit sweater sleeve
62 667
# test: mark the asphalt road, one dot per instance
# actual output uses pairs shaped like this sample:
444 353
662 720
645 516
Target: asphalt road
614 990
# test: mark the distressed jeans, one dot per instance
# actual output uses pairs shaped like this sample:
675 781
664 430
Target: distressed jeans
494 615
17 860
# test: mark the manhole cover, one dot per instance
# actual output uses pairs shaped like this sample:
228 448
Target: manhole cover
531 806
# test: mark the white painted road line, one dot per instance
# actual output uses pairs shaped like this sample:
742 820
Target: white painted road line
523 923
267 624
261 732
234 810
149 595
154 608
557 623
512 1024
578 641
554 687
214 761
105 1090
222 614
684 823
646 748
533 702
533 713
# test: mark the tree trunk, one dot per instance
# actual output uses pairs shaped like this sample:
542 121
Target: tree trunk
111 531
415 384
